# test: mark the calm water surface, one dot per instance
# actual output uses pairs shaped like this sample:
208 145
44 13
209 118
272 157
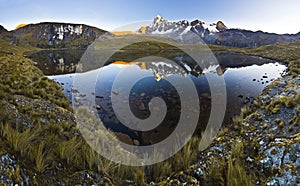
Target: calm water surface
245 78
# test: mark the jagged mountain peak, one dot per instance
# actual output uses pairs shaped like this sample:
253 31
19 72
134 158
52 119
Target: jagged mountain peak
182 30
198 31
158 19
160 25
197 21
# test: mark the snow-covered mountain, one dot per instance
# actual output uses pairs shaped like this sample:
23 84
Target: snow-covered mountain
213 33
188 32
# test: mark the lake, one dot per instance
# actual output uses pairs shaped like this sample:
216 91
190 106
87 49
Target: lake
245 78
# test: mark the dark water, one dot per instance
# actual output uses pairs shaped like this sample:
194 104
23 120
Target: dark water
55 62
243 77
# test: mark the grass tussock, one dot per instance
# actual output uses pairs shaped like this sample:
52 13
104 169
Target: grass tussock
236 173
232 171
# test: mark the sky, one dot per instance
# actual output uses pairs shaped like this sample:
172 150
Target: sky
278 16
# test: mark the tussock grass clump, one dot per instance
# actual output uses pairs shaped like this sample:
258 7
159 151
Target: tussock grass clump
231 171
238 119
41 157
139 176
245 111
38 146
180 161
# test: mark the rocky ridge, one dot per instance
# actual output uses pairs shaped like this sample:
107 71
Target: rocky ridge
55 35
214 33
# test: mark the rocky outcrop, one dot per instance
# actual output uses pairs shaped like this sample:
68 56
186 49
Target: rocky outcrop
56 35
221 26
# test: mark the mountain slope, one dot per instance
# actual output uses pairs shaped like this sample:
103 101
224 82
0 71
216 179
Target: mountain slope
216 33
2 29
56 35
247 38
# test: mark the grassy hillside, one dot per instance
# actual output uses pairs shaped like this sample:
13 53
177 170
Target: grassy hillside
38 129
